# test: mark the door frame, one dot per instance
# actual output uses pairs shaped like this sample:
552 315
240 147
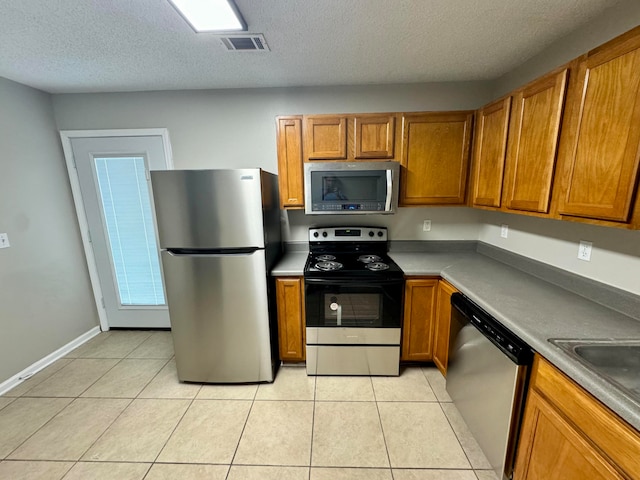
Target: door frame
65 137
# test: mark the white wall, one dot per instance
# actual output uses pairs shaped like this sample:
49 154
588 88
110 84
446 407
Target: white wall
45 294
615 258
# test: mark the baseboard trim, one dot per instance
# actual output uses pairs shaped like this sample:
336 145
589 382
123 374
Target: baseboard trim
34 368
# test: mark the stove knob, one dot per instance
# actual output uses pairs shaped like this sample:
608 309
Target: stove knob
324 234
316 234
371 233
380 233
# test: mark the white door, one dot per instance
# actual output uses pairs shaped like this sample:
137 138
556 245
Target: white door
114 189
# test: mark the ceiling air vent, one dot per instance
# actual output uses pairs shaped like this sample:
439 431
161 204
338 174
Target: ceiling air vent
245 42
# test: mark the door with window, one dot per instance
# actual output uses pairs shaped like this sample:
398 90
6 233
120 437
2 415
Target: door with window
114 187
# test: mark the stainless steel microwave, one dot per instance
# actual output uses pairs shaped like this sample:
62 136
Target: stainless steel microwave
351 187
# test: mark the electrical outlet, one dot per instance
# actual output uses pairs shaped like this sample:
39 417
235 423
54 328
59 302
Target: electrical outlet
504 231
426 226
584 251
4 240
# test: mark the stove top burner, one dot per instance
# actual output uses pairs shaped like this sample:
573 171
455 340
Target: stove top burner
328 265
324 258
348 254
369 258
377 266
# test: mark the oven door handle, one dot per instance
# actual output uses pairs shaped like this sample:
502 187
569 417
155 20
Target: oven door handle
352 282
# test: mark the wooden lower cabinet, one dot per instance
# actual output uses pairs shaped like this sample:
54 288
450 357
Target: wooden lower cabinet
291 324
427 315
442 323
567 434
420 297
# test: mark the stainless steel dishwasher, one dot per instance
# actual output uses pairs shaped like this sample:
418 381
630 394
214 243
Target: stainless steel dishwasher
486 379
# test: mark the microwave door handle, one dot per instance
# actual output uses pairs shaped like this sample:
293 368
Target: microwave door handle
387 206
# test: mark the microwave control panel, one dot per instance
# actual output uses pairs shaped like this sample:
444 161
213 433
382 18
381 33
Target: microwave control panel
339 207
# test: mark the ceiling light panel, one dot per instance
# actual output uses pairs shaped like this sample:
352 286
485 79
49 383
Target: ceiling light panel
211 15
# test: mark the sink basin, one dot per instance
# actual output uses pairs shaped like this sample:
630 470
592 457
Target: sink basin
615 360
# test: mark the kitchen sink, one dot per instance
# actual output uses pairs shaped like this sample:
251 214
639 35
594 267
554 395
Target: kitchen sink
615 360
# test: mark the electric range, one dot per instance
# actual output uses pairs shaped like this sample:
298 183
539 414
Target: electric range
353 302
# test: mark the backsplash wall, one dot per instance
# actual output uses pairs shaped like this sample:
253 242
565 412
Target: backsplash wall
447 223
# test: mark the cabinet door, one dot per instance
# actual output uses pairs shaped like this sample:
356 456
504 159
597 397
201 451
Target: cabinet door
533 141
442 322
291 328
374 136
551 449
290 171
601 137
492 128
419 313
435 158
325 137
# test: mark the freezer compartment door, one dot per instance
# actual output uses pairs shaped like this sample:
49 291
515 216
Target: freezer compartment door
209 209
219 314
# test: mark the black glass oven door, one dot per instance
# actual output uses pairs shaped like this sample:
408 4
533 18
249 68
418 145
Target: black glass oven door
353 304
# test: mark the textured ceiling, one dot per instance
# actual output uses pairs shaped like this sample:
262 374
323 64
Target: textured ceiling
64 46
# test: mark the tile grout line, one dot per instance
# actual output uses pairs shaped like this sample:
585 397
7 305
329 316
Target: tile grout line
313 421
457 437
137 397
173 430
246 420
90 398
449 422
384 438
39 428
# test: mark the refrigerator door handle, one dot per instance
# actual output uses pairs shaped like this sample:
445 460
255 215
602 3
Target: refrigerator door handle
208 254
227 252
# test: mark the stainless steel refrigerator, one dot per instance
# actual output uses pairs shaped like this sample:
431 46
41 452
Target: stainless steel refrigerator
219 233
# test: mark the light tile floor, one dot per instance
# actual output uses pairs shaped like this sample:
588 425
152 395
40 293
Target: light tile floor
114 409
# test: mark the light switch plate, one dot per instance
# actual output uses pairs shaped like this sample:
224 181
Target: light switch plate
426 226
504 231
4 240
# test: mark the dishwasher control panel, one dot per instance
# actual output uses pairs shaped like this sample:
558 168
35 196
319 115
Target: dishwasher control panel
498 334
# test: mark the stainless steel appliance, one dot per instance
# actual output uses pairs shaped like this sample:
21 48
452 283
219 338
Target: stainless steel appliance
353 303
219 234
351 187
486 379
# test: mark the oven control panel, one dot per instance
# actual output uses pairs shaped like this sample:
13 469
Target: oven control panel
347 234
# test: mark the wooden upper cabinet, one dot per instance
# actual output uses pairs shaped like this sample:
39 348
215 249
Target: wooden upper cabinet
374 136
325 137
600 147
492 128
435 157
532 146
290 171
